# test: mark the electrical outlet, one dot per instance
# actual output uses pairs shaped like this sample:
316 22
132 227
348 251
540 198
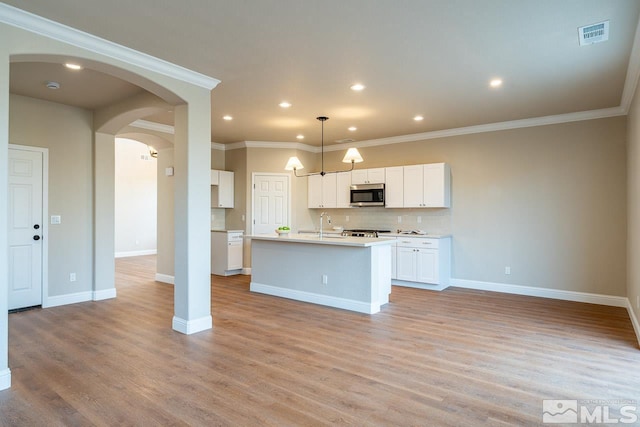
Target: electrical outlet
399 219
325 279
347 219
507 270
419 220
56 219
72 277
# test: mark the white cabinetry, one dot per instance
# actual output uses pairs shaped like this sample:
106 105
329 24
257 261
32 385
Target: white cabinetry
343 190
394 187
222 192
329 191
423 260
226 252
368 176
427 186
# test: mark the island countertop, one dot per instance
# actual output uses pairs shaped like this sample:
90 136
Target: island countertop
331 239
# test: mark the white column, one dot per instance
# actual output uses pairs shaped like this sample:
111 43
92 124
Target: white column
103 214
192 207
5 373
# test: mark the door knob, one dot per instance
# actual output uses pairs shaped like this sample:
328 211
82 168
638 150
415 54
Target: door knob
36 226
36 237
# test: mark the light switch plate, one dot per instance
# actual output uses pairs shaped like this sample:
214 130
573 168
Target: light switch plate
56 219
168 171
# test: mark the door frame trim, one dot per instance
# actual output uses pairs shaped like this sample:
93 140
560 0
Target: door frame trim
253 190
45 216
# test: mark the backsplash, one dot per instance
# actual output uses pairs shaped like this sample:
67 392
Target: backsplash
217 219
434 221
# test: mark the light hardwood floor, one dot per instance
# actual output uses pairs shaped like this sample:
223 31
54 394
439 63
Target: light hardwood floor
452 358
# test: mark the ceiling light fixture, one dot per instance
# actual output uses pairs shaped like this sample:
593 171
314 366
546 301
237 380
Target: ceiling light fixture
418 118
153 152
300 136
73 66
352 156
285 104
227 118
358 87
353 128
495 83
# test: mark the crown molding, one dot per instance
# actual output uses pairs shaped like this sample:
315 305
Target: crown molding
36 24
633 73
490 127
158 127
269 144
217 146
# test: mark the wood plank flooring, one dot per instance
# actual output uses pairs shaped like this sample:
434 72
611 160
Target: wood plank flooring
454 358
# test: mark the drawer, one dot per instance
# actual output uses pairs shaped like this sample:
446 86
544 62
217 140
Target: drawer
418 242
235 237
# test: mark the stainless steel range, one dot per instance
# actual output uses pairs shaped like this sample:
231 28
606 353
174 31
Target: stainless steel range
360 232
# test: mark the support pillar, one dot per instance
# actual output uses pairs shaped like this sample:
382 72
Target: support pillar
192 207
5 373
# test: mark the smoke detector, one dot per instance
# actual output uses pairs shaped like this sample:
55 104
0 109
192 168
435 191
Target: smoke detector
52 85
594 33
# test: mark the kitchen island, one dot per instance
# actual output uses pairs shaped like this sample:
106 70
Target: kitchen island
352 273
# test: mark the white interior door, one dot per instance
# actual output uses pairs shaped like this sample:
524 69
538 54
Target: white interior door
25 228
270 203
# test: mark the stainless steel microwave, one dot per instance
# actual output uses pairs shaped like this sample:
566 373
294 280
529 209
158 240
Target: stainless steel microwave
367 195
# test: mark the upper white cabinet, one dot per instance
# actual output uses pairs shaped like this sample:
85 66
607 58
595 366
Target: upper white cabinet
322 191
329 191
367 176
427 186
394 187
222 192
343 189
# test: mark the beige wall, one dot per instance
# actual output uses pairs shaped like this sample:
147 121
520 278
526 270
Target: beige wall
67 133
633 200
166 257
135 197
547 201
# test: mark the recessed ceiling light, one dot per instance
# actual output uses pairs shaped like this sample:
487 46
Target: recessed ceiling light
418 118
495 83
285 104
358 87
227 118
73 66
353 128
300 136
52 85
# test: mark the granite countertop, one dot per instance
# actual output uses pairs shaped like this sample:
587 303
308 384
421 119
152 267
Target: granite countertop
429 235
331 239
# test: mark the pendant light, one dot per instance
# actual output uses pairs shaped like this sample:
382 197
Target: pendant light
352 156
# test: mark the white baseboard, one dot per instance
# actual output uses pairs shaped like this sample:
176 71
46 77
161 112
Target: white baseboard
634 320
346 304
135 253
189 327
246 271
104 294
165 278
542 292
67 299
5 379
418 285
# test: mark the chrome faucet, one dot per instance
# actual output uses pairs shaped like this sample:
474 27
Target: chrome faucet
322 221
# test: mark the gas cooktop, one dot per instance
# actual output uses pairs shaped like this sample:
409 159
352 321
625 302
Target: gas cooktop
364 232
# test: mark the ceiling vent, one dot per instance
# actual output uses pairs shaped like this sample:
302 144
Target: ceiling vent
594 33
342 141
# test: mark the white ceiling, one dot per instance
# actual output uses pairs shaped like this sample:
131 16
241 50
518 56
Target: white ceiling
428 57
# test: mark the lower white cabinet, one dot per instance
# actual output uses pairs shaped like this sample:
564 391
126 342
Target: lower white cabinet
226 252
423 260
